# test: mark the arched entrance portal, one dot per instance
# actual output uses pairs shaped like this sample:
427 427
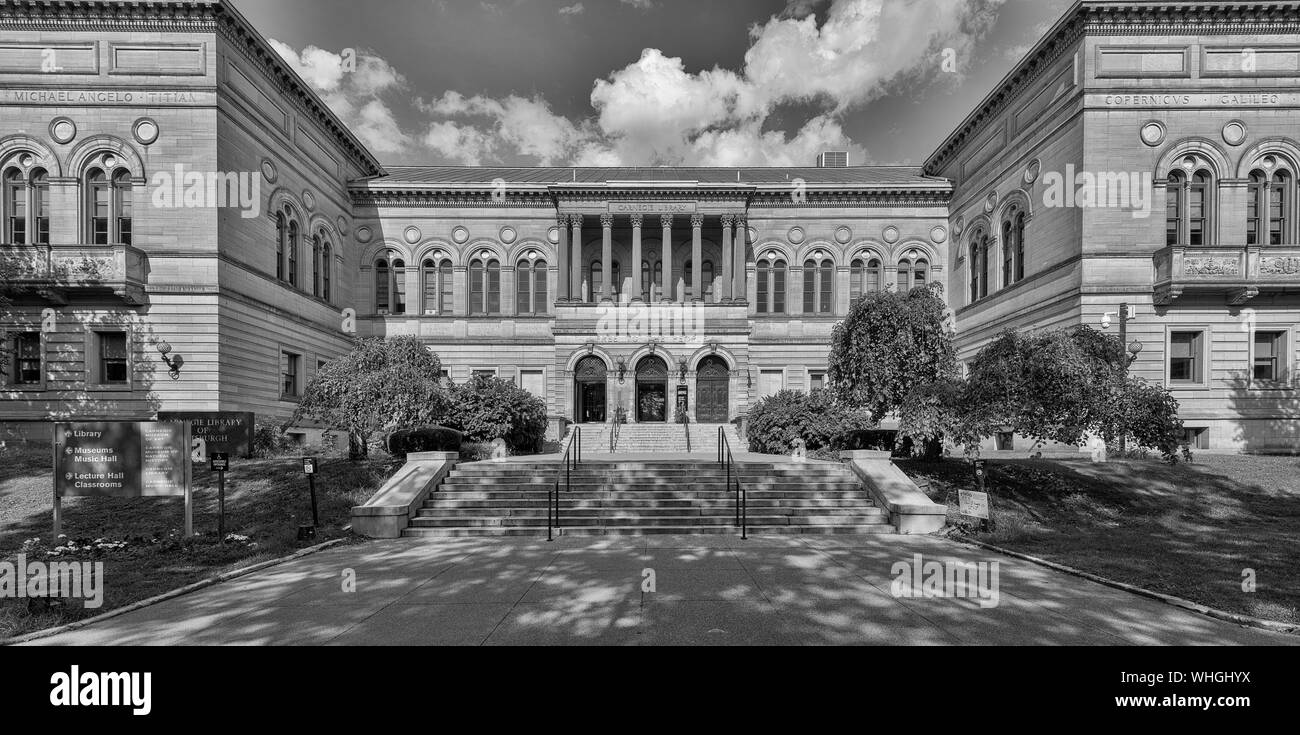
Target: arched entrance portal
589 387
712 391
652 391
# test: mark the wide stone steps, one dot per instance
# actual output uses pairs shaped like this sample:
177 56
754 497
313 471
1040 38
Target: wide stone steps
640 530
650 497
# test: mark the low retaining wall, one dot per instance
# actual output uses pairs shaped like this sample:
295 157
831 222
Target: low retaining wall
909 509
390 511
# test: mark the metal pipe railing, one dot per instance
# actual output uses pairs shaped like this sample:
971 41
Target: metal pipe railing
727 458
567 463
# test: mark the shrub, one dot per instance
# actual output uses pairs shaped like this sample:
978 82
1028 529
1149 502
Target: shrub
423 439
816 417
485 409
270 441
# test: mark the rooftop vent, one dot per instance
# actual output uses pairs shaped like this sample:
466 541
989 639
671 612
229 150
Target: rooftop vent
833 159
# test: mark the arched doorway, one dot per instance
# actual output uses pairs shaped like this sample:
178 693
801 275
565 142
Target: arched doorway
712 391
652 391
589 387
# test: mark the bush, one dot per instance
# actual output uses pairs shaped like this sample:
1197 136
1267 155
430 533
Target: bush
824 424
486 409
423 439
270 441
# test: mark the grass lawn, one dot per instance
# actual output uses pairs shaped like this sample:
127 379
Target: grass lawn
1188 530
266 501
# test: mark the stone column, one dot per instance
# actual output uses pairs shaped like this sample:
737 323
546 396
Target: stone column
562 250
697 258
728 286
575 264
669 286
607 257
636 294
740 246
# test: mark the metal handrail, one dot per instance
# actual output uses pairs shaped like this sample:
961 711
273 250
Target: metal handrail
567 463
728 458
686 421
614 436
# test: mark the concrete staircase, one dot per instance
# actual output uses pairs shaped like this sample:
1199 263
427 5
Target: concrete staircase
652 439
649 497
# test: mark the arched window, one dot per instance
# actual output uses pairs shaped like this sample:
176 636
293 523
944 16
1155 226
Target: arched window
1174 208
1256 204
864 277
979 266
771 286
281 238
15 203
1188 208
817 279
100 206
913 271
1279 206
291 251
1198 204
484 287
390 285
437 277
383 287
1020 247
326 266
315 265
41 207
1013 248
530 287
122 205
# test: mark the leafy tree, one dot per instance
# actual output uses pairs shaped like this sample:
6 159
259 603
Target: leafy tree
894 354
487 409
889 345
1063 385
382 385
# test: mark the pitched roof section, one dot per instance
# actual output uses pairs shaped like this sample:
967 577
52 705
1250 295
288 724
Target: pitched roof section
1153 17
886 177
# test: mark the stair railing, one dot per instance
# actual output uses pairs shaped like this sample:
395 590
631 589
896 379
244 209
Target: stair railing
727 458
686 422
570 460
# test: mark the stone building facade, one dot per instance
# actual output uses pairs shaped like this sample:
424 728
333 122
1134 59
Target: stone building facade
168 182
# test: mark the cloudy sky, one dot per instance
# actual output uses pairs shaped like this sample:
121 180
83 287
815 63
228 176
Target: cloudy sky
652 82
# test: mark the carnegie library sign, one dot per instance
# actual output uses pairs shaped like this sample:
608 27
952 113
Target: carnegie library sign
227 432
652 207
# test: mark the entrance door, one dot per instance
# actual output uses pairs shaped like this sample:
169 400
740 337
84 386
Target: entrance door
589 390
712 391
652 391
592 398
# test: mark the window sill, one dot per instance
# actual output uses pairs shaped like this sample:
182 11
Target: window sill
290 399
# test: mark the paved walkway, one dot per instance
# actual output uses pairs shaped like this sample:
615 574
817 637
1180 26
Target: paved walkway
710 590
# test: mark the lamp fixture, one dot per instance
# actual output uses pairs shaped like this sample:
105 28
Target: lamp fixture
173 363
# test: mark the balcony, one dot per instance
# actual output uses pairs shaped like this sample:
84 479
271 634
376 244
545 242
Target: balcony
1239 274
55 272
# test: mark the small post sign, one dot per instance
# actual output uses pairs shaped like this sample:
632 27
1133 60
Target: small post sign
309 468
122 460
975 503
220 465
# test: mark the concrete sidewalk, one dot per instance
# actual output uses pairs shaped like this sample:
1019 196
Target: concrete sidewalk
709 590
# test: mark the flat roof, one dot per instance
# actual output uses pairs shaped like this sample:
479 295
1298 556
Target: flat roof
472 176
